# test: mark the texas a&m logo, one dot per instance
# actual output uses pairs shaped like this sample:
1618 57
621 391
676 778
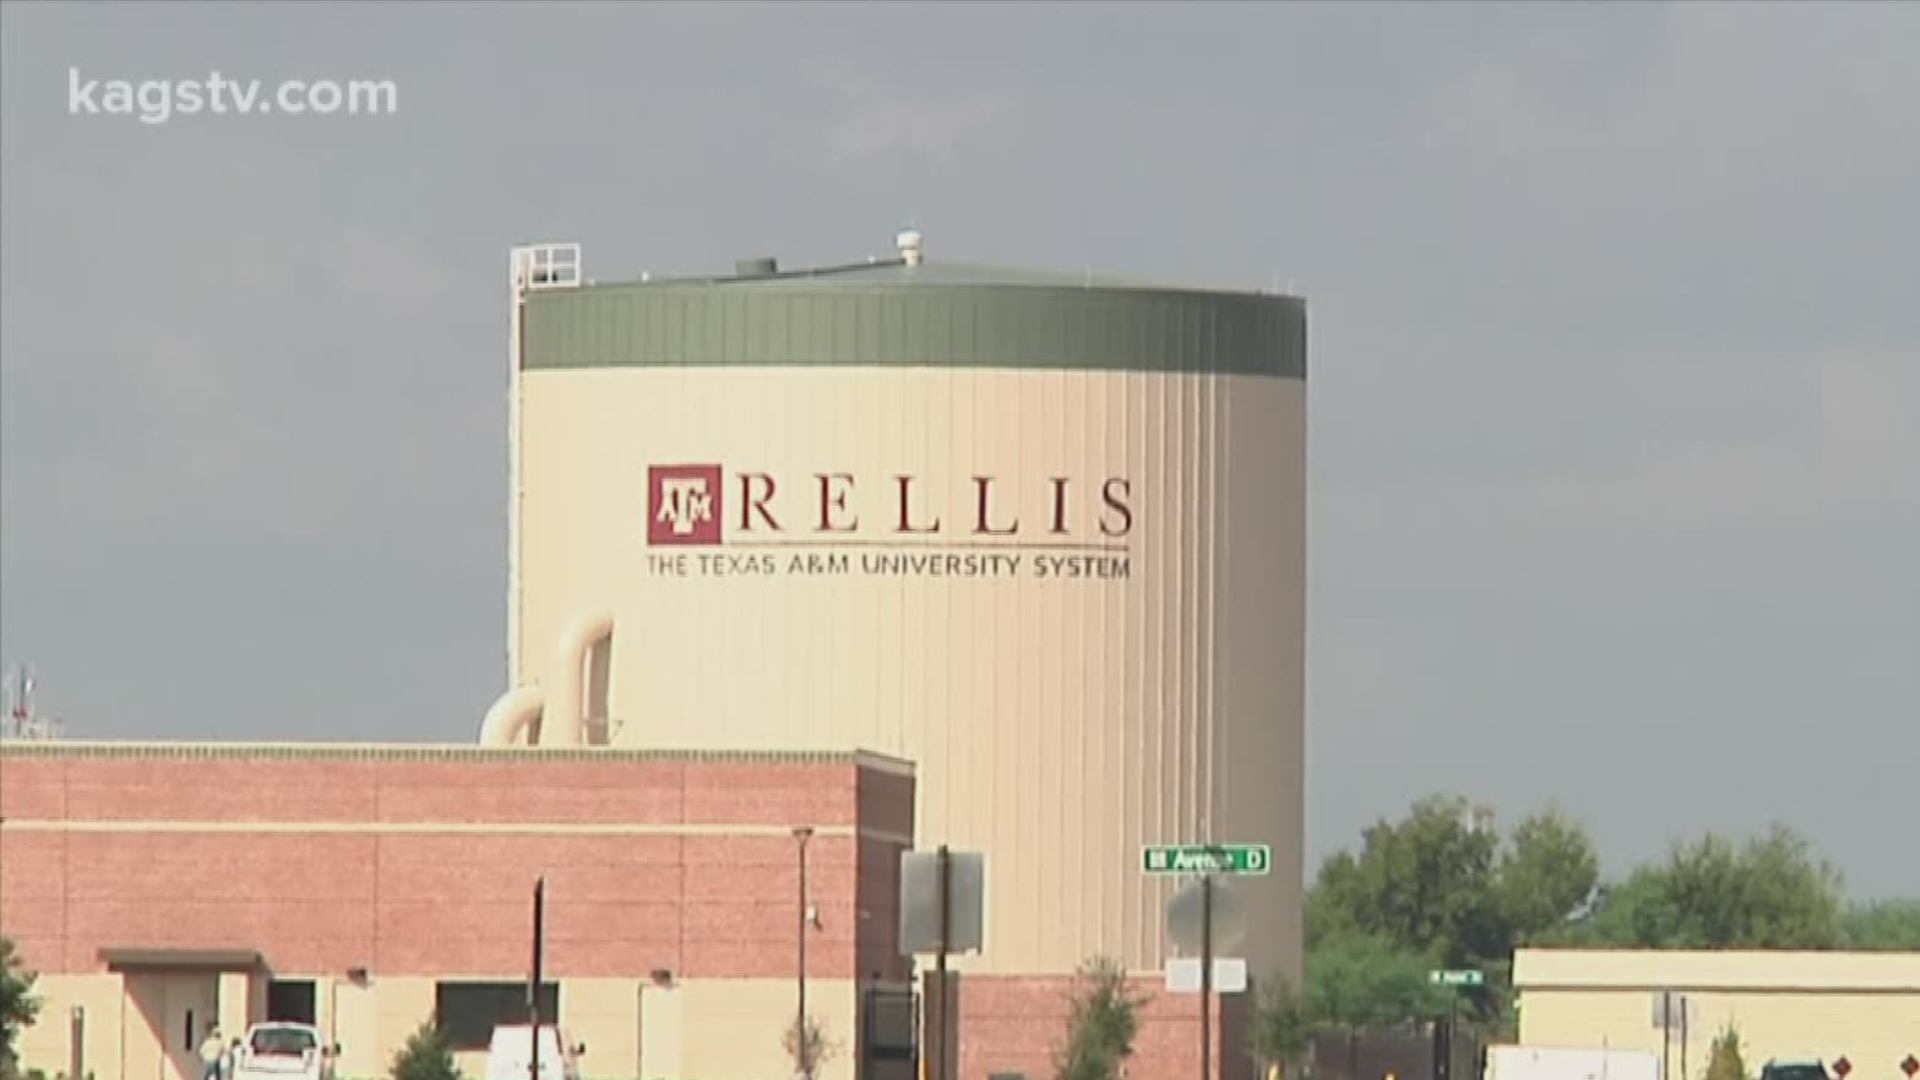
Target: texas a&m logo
683 504
685 508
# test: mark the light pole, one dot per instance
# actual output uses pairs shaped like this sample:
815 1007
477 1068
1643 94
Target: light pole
802 1050
533 978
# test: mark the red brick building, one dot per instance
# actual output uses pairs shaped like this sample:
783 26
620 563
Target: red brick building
156 887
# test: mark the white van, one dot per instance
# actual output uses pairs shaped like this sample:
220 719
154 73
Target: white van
507 1057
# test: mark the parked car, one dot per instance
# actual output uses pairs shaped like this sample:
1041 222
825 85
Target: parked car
1794 1069
284 1051
508 1056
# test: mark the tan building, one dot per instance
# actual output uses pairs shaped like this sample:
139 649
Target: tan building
1043 536
1860 1007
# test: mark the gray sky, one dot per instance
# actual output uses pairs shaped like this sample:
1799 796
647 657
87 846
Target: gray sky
1615 328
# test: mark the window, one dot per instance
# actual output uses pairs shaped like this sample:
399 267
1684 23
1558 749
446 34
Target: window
290 1001
469 1011
282 1042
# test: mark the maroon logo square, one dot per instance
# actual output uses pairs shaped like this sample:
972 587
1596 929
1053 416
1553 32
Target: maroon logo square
683 504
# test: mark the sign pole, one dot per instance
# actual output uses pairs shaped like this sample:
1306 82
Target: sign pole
1686 1007
940 956
1666 1033
1206 977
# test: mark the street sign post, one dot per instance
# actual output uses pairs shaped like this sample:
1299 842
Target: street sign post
942 910
1453 980
1671 1010
1207 916
1207 858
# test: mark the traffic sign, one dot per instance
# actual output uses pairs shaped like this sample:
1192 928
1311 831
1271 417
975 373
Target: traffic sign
1457 978
1186 911
920 902
1229 975
1208 858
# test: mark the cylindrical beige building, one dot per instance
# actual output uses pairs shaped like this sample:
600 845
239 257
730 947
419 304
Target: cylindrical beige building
1043 536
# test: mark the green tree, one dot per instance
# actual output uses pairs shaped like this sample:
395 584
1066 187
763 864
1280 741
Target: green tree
1725 1061
1357 980
1426 883
427 1055
1771 893
1442 883
1282 1029
1102 1025
18 1006
1884 925
1548 875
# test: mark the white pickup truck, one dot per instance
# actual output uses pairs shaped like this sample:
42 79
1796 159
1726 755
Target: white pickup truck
284 1051
508 1057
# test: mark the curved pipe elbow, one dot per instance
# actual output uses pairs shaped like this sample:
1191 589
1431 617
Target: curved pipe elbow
515 714
567 722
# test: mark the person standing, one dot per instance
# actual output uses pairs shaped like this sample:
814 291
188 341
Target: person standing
212 1049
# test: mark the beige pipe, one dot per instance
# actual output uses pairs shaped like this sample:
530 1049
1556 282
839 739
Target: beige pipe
517 713
580 698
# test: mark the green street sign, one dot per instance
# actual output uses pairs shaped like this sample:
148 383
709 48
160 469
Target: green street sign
1208 858
1457 978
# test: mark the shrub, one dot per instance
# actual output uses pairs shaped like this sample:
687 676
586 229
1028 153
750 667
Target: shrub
1726 1063
1102 1026
808 1050
428 1055
1281 1032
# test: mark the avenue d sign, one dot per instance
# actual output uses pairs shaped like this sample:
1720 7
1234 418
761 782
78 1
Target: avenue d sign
1208 858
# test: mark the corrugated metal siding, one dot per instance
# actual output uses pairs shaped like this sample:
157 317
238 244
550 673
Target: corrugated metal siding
1056 725
938 326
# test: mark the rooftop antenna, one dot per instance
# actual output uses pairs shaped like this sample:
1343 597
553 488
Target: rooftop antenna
20 698
23 720
20 694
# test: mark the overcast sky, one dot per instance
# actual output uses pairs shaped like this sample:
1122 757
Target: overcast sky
1615 321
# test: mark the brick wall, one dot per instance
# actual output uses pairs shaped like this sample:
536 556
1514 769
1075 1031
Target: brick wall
1016 1023
422 860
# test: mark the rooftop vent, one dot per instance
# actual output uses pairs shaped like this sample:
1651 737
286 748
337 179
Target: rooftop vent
760 267
909 244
